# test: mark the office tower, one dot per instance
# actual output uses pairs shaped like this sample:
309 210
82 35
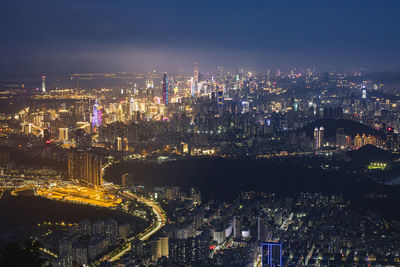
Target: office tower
390 138
85 167
245 107
364 92
237 227
196 73
221 72
261 229
341 139
120 113
319 137
131 109
193 86
165 89
220 98
96 115
271 254
63 134
44 84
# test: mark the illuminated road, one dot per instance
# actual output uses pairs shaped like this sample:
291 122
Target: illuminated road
152 229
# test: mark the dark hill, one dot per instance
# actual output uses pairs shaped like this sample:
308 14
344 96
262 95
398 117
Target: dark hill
331 125
370 153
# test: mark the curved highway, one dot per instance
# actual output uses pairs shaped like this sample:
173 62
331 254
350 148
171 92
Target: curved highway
148 232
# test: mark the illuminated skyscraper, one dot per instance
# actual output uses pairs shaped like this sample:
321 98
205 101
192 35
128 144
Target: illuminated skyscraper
165 89
193 87
271 254
261 229
85 167
196 73
44 84
220 98
131 108
97 115
390 138
364 92
319 137
221 72
245 107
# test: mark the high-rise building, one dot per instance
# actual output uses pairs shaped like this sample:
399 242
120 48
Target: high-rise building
63 134
319 137
390 138
220 99
271 254
97 115
118 141
131 109
261 229
44 84
193 87
364 92
196 73
159 248
341 139
245 107
165 89
220 72
85 167
237 227
111 230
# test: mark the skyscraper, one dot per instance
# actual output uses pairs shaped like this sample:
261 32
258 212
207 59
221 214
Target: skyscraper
261 229
85 167
165 89
44 84
220 99
319 137
97 115
237 227
131 109
193 87
271 254
196 73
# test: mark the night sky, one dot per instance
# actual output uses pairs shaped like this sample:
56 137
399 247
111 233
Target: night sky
58 37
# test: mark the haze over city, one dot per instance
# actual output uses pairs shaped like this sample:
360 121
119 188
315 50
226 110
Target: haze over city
61 37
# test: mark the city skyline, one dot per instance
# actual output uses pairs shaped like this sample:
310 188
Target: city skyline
200 133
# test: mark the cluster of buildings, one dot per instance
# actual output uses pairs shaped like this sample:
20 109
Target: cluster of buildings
234 113
311 229
85 167
84 242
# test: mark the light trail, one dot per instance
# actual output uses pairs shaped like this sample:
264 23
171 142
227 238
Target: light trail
147 233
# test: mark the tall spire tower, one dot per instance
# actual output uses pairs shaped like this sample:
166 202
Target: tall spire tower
196 73
165 89
44 84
